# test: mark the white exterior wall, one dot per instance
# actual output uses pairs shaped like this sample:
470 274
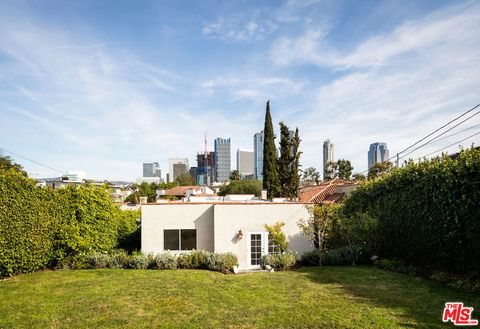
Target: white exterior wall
230 218
156 218
218 224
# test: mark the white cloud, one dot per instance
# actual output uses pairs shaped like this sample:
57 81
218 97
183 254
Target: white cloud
394 87
240 28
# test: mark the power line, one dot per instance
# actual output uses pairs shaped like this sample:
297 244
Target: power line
443 133
478 133
458 132
438 129
38 163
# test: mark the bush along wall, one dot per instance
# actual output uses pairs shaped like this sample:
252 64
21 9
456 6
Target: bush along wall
199 260
41 227
428 213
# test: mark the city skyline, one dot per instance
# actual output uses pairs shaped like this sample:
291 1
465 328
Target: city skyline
134 83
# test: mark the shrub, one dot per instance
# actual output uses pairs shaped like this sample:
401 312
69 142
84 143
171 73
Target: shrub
396 266
164 261
311 258
338 256
221 262
280 261
139 261
97 260
118 259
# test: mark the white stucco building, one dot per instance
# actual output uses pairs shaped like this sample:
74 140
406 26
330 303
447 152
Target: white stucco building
236 227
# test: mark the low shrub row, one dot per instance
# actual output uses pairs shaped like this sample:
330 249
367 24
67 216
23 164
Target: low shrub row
339 256
279 261
120 259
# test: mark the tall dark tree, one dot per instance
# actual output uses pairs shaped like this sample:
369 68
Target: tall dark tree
270 167
285 161
295 177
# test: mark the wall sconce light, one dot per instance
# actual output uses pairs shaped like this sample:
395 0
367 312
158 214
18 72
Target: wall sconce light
240 234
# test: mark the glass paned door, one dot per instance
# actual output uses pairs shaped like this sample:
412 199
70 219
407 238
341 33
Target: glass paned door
257 247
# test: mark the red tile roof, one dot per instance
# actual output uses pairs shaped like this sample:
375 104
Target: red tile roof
181 190
324 192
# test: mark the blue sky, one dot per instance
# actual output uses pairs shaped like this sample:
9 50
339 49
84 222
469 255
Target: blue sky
103 86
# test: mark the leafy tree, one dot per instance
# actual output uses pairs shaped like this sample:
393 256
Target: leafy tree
185 180
359 176
379 169
311 176
242 187
277 236
7 163
344 169
318 226
234 175
331 171
285 161
271 180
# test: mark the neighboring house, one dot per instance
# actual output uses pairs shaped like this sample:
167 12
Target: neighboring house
332 191
236 227
186 191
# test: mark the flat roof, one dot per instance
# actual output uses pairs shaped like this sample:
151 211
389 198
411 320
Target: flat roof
221 202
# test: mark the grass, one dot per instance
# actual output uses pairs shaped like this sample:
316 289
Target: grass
328 297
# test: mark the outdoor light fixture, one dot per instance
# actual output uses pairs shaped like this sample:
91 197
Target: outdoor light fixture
240 234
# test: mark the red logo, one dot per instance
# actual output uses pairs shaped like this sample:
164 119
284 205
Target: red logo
458 314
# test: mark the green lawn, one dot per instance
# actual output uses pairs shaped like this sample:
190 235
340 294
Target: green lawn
329 297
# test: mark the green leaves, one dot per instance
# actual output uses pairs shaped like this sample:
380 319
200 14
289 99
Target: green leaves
39 227
428 213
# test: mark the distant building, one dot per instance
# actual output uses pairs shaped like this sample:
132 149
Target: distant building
70 178
378 152
150 169
328 156
179 169
258 155
177 166
245 165
205 168
222 159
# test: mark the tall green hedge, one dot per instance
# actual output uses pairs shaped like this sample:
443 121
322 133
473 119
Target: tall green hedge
428 213
39 227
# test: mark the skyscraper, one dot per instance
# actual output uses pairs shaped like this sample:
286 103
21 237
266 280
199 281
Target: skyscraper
378 152
245 165
205 168
151 169
258 155
222 159
177 166
327 157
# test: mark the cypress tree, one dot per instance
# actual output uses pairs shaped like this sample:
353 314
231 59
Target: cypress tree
285 161
270 167
295 178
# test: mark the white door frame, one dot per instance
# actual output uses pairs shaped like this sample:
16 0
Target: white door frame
264 247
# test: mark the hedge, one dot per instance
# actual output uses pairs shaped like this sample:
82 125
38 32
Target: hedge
428 213
40 227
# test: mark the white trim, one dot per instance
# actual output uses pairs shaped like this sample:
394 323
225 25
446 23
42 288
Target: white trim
264 247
